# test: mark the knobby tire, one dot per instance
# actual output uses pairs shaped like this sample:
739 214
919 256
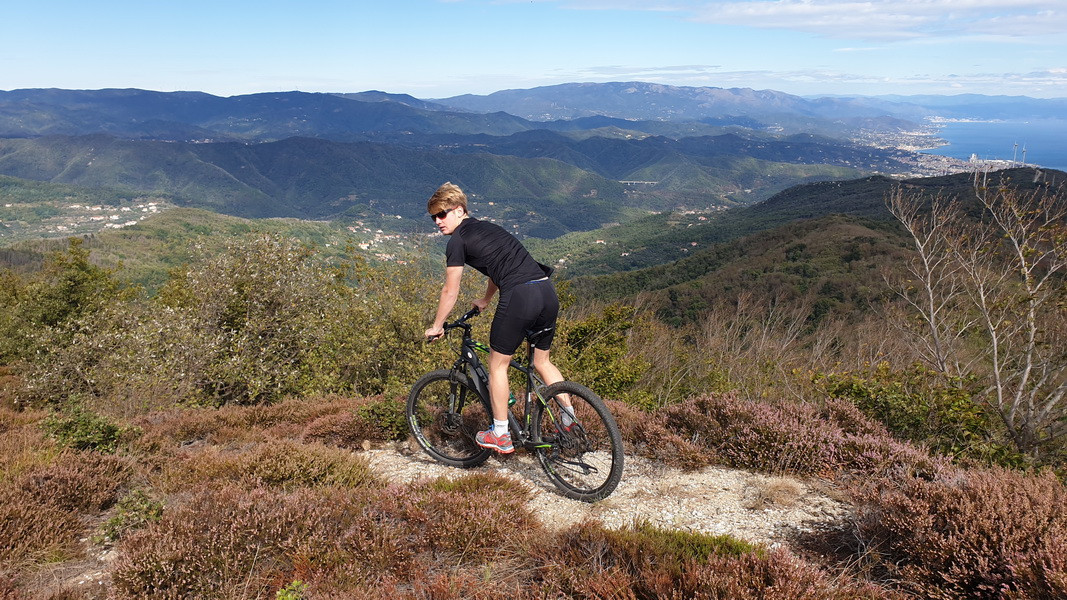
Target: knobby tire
585 461
448 436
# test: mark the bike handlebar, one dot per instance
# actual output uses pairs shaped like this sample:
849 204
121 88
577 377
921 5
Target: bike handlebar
460 322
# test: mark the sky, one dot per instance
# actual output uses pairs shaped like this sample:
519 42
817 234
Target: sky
442 48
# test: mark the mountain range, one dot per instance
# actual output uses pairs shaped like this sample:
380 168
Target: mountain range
555 159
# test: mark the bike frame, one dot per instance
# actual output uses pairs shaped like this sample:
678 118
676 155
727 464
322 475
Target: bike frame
470 363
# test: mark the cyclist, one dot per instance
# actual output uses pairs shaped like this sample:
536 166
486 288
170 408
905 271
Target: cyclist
528 300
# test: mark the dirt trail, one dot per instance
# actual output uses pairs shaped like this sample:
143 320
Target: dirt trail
750 506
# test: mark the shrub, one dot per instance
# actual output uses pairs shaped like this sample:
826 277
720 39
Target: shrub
648 562
24 447
248 320
233 542
215 544
783 437
282 463
135 510
32 531
293 591
456 518
40 509
83 430
595 349
922 406
262 320
983 533
387 416
68 288
77 481
237 424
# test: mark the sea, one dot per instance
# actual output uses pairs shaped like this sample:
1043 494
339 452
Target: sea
1040 142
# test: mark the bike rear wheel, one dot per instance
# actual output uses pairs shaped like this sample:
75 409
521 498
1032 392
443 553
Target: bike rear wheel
444 413
584 458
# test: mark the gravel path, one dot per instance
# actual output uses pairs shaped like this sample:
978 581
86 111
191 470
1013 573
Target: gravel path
750 506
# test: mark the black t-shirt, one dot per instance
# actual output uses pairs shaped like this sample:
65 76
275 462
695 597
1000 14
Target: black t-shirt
494 252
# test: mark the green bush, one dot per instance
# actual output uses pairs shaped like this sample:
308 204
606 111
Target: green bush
40 312
82 429
922 406
386 415
134 511
295 590
595 350
260 321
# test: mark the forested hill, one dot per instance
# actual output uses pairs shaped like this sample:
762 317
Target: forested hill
311 178
830 239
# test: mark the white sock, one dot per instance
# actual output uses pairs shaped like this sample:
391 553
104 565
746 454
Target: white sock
567 415
500 427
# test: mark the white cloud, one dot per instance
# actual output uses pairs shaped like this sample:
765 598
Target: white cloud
866 19
1050 82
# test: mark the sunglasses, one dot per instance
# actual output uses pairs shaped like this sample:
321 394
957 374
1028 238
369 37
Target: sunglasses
442 214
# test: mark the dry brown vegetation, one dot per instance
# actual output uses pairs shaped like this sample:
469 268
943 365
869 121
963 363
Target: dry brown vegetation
260 501
153 448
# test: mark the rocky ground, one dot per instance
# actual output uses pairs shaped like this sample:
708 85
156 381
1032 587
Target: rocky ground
750 506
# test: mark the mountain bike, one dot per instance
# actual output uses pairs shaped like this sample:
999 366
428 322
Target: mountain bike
447 407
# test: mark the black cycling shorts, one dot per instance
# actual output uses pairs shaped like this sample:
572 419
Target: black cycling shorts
526 307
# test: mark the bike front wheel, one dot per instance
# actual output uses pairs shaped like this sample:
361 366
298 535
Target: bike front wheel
444 413
581 451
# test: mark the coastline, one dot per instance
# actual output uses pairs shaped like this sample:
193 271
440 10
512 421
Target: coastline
1000 142
928 156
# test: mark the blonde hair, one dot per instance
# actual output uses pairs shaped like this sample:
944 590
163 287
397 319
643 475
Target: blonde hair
446 197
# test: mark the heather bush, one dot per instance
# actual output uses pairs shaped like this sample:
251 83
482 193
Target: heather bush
981 533
238 424
225 543
40 508
647 562
280 463
77 481
24 447
345 430
456 518
34 531
783 437
232 542
8 589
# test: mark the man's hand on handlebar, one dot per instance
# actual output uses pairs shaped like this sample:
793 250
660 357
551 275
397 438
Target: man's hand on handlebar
435 332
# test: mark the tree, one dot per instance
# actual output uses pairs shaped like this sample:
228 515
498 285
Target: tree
991 297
